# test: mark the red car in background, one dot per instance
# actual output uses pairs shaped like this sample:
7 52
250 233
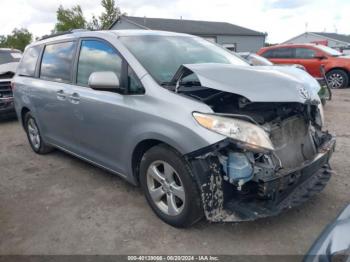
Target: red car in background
312 57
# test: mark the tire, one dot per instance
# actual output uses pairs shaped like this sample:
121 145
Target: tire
337 78
180 205
35 139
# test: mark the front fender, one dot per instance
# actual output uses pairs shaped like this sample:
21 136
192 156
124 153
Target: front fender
182 139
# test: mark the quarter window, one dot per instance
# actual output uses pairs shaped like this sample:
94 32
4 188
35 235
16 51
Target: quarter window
57 62
134 84
305 53
28 63
96 56
268 54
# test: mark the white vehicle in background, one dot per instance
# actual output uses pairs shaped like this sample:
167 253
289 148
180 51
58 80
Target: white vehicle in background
257 60
9 59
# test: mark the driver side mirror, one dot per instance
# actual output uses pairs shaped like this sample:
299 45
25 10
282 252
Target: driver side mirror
107 81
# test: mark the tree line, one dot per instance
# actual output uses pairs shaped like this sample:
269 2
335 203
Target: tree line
67 19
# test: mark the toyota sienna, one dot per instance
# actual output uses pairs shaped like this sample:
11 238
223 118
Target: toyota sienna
201 131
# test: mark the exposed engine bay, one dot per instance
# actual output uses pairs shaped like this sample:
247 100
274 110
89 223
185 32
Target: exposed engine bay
294 129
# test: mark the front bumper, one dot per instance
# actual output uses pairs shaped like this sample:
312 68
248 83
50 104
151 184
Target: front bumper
291 188
7 106
6 97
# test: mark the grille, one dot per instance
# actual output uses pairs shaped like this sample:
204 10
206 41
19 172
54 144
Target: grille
5 89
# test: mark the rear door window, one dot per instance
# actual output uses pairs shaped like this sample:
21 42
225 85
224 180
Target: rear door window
29 61
57 62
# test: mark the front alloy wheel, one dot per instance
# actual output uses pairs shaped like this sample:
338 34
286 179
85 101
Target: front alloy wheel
166 188
169 186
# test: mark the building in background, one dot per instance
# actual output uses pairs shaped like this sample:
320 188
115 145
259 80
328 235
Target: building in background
333 40
233 37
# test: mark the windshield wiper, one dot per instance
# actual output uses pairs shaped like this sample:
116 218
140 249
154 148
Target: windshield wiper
190 83
185 84
165 83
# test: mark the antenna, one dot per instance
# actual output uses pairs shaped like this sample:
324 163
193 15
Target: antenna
306 25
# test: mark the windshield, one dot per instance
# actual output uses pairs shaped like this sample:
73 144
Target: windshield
329 50
9 57
162 56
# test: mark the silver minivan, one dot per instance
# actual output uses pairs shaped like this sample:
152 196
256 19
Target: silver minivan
204 133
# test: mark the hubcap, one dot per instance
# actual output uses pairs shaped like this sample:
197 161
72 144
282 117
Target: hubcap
335 80
166 188
33 132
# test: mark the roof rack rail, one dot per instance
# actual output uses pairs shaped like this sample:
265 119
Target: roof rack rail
63 33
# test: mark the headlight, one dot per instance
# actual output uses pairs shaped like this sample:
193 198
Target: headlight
250 135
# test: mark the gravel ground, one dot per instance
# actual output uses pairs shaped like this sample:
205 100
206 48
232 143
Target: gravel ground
57 204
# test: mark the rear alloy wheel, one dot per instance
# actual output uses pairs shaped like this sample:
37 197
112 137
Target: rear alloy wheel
34 137
168 183
337 79
33 133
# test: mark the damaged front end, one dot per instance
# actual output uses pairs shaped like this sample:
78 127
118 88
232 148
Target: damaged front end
249 185
275 156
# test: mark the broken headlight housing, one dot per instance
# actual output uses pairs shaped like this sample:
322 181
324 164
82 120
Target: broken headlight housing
249 135
319 119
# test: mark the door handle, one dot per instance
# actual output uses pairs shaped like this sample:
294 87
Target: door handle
74 98
60 95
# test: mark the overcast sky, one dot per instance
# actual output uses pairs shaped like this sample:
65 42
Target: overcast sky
281 19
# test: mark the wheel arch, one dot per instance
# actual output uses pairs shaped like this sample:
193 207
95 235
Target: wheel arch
339 68
24 111
140 149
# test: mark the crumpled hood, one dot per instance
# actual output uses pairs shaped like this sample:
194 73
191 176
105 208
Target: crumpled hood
298 73
259 83
8 67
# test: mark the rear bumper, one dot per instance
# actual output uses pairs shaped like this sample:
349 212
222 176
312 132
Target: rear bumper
291 188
